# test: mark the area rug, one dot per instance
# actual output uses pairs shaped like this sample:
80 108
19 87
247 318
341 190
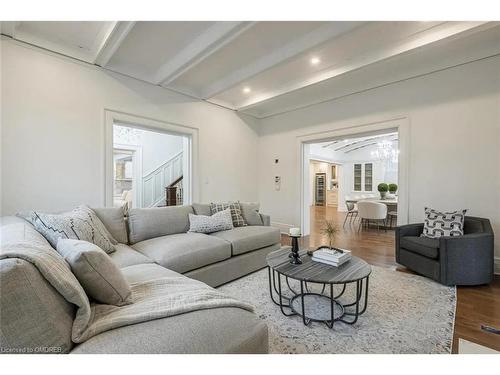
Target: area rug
406 314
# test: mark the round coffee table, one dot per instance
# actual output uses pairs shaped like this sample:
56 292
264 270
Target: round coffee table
323 306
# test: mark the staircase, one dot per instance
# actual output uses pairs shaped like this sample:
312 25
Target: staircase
153 184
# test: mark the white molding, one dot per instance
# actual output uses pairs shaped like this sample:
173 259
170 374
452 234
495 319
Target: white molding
214 38
190 182
402 124
418 40
279 55
112 42
9 28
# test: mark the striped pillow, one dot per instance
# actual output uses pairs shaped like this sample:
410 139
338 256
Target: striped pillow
235 207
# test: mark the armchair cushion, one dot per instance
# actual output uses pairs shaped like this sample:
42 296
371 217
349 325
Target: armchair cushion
428 247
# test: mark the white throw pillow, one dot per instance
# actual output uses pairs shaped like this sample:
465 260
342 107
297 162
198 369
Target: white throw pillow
80 224
221 220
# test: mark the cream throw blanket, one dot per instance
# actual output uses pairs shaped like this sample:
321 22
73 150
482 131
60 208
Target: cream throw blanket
155 299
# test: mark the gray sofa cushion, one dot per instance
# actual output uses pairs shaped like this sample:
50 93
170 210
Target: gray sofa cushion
249 238
147 223
101 279
428 247
32 313
185 251
223 330
141 273
113 219
250 212
202 209
125 256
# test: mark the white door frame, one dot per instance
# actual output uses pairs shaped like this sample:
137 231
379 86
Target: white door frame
137 165
401 124
190 181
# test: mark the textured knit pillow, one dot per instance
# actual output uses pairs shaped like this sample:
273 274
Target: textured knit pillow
236 215
101 279
437 224
209 224
80 224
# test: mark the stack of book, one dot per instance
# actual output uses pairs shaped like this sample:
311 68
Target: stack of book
334 257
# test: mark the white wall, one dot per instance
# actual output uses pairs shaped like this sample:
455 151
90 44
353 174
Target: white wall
53 132
454 163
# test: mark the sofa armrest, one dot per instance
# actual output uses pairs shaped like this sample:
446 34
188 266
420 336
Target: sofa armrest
467 259
410 230
405 231
266 219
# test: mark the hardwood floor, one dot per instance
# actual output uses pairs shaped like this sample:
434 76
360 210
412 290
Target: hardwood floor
475 305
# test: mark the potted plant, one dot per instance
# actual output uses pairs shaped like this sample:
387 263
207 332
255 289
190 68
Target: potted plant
393 188
383 188
330 230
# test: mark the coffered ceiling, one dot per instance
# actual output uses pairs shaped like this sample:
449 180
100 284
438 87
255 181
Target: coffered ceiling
265 68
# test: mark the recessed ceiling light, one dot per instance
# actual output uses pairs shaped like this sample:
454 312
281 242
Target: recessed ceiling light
246 90
315 60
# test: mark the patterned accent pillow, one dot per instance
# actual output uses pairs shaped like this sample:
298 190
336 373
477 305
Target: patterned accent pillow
209 224
235 207
80 224
437 224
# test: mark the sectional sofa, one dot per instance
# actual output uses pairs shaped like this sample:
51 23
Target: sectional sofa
153 243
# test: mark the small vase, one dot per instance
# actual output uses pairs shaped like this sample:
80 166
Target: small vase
382 194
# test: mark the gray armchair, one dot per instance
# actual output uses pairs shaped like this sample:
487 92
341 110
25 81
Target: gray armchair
463 260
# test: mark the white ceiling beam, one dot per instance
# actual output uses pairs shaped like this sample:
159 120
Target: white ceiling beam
112 42
432 35
289 50
214 38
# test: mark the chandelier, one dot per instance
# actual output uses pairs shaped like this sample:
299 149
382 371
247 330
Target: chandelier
385 152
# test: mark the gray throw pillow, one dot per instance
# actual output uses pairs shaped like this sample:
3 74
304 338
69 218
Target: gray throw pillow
438 224
80 224
238 220
101 279
209 224
250 212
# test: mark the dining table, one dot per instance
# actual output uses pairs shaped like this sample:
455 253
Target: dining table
388 201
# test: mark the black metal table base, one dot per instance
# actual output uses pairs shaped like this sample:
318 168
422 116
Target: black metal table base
328 309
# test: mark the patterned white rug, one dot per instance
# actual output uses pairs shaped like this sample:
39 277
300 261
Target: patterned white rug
406 314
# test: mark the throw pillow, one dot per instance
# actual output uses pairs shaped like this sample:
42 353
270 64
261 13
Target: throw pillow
208 224
80 224
238 220
437 224
250 212
101 279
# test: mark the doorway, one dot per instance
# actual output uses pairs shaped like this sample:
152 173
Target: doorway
149 163
353 161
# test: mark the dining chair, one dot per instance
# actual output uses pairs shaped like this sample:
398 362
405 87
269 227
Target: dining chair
352 213
372 211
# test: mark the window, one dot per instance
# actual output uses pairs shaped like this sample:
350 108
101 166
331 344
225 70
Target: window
368 177
363 177
357 177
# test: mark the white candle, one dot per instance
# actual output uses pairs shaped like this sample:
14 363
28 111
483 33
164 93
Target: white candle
294 231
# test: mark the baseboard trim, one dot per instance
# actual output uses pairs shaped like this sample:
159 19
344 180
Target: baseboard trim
497 266
284 228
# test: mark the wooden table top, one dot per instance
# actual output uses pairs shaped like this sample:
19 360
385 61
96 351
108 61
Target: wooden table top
353 270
